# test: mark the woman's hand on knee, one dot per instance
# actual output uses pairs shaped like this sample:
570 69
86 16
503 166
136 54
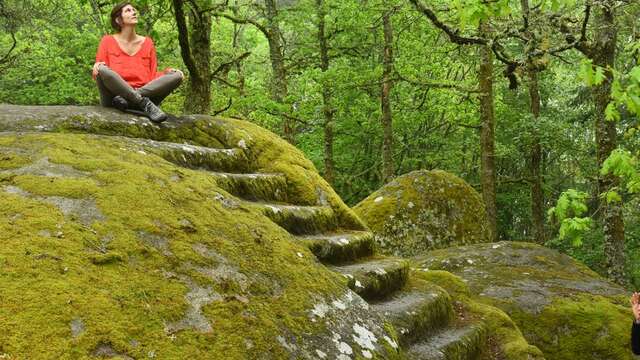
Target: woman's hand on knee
96 67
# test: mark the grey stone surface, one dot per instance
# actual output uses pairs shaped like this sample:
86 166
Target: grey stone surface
85 211
43 167
77 327
528 275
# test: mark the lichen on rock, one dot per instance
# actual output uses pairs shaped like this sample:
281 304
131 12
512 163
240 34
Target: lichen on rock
560 305
424 210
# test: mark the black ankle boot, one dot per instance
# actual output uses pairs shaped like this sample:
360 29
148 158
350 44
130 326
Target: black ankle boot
120 103
152 111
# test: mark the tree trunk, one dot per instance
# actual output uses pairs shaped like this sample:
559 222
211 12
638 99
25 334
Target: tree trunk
535 164
195 43
385 101
535 155
487 146
603 55
238 35
198 96
279 77
327 110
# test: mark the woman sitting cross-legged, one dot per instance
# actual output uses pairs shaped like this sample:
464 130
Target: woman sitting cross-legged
126 68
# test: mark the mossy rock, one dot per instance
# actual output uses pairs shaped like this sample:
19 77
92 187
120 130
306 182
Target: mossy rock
424 210
264 152
109 248
504 339
560 305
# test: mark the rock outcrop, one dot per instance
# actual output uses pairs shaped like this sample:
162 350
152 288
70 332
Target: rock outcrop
204 238
122 238
561 306
424 210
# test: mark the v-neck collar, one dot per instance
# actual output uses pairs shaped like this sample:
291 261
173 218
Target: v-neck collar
126 53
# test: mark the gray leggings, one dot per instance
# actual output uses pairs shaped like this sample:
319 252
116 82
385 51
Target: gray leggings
111 84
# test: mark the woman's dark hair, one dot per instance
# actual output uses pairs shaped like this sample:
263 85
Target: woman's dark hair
116 13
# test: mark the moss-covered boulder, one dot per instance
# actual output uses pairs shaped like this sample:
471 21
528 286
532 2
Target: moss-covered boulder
424 210
502 339
560 305
123 239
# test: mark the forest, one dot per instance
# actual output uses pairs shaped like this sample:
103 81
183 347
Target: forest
535 103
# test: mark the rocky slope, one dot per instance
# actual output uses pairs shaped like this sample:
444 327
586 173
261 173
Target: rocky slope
561 306
204 238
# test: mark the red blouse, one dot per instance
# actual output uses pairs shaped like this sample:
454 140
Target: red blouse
137 69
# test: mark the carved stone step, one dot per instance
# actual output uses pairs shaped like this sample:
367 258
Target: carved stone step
341 246
454 343
300 220
198 157
376 277
419 309
254 187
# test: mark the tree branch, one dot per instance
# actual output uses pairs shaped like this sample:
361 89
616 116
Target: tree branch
454 34
225 82
218 112
7 57
236 20
288 116
224 67
215 7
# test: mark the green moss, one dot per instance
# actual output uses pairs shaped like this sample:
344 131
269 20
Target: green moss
393 348
257 188
374 278
424 210
429 317
446 280
265 152
330 249
12 161
274 155
302 220
378 286
551 297
50 186
470 345
495 322
509 338
105 259
139 288
577 324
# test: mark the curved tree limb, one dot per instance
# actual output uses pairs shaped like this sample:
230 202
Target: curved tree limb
236 20
218 112
224 67
454 34
7 57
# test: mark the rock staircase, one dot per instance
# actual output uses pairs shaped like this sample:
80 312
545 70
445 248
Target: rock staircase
429 324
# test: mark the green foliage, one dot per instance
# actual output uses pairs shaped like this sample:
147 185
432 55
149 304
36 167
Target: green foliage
568 210
570 204
472 12
55 62
623 164
573 228
591 75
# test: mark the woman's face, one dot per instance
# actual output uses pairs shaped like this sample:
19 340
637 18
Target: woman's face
129 16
